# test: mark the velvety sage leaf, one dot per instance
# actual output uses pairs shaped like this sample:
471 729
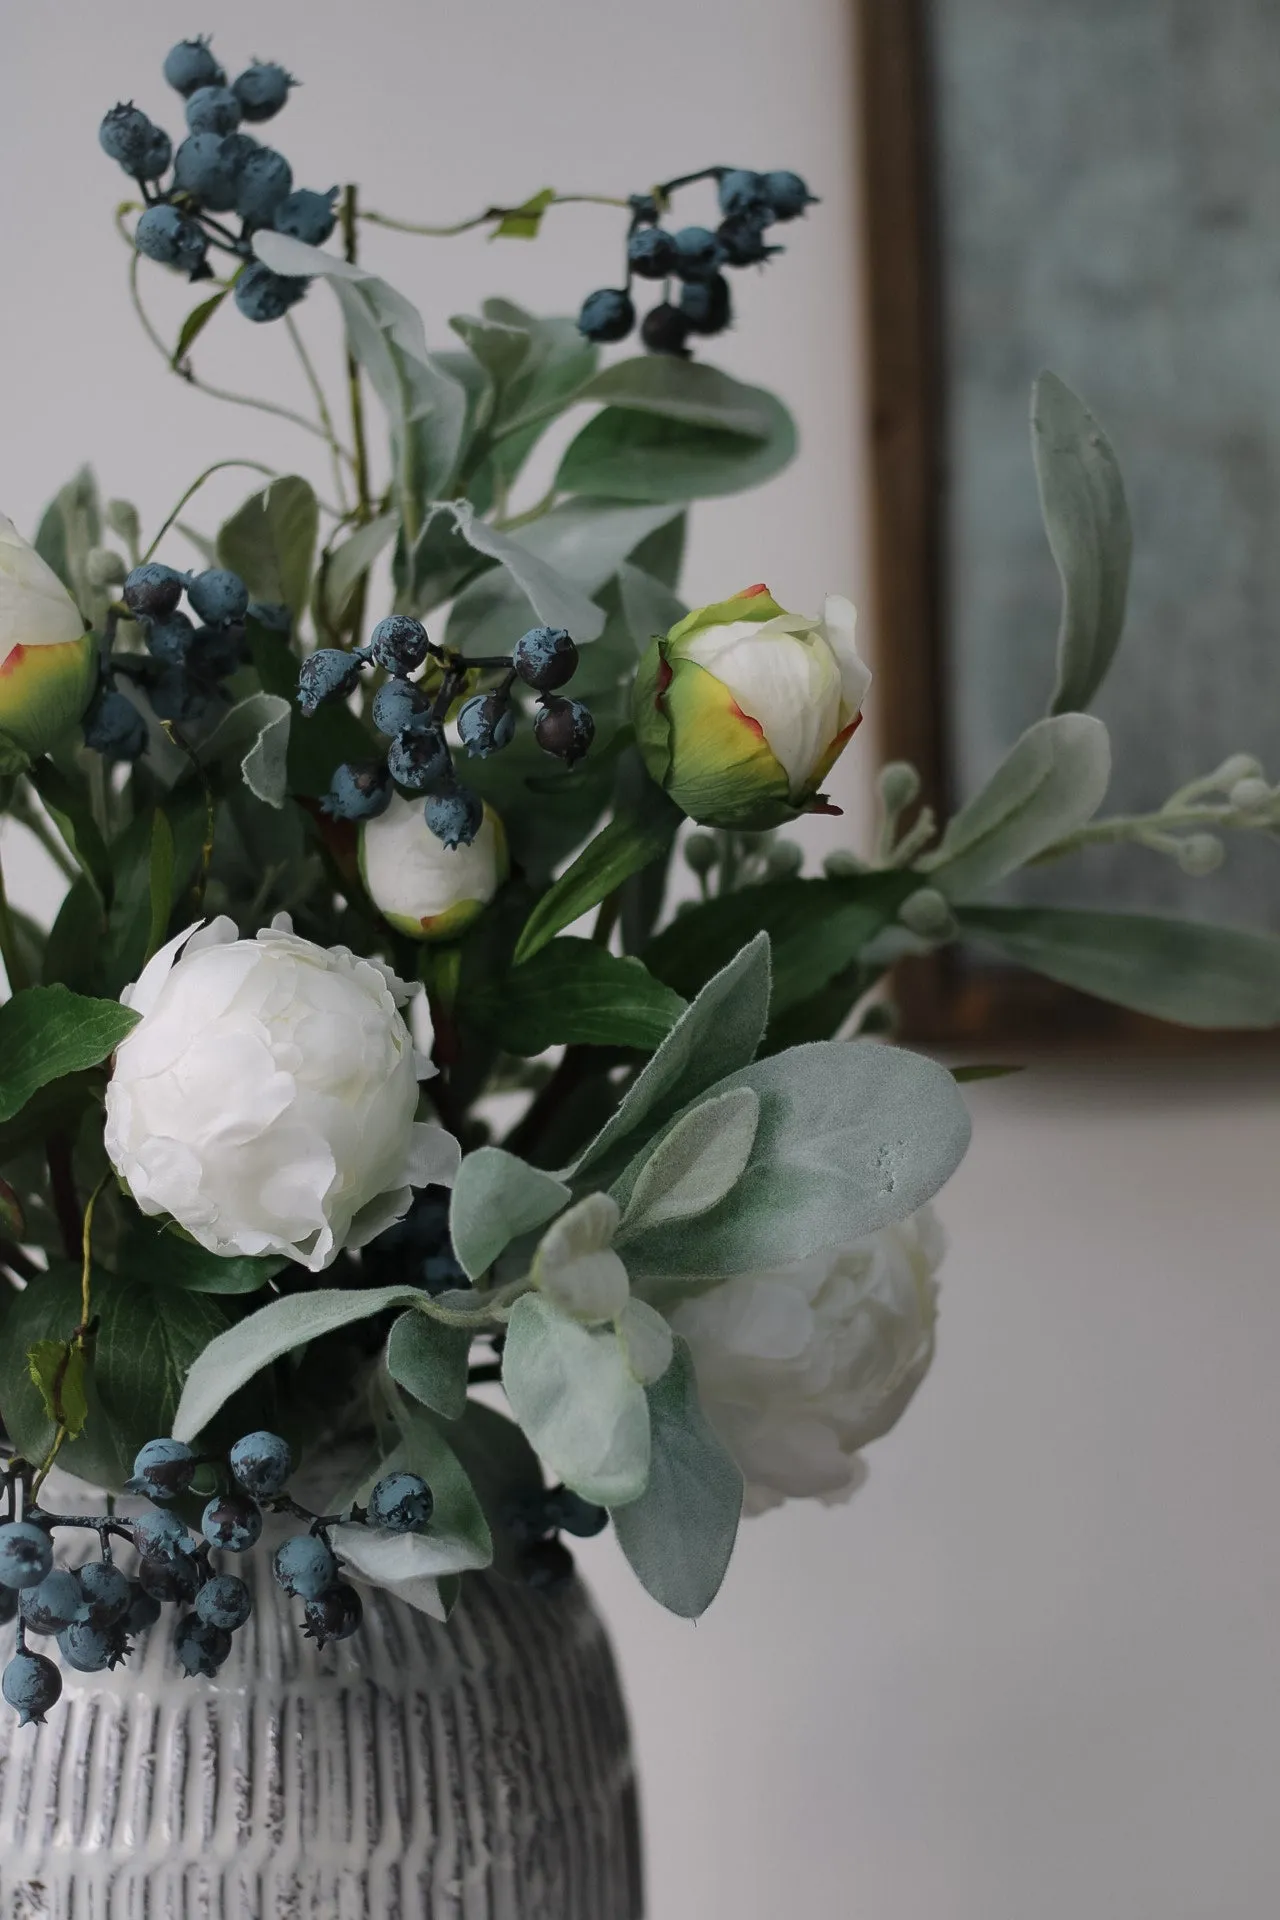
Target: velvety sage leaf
628 843
558 365
350 562
554 597
319 742
500 347
1180 970
573 992
686 390
853 1136
504 1472
69 808
158 1255
429 1360
1086 518
70 528
495 1198
718 1033
161 876
46 1032
1049 784
649 607
60 1376
646 456
581 1408
679 1535
457 1538
693 1166
256 733
271 542
253 1343
194 325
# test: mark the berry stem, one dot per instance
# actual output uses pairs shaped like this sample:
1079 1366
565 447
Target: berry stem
322 408
364 495
490 214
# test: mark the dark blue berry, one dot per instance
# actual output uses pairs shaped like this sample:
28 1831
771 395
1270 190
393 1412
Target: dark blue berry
419 759
334 1614
486 724
304 1566
454 816
224 1601
545 658
169 641
569 1511
161 1538
742 240
31 1685
401 1502
742 191
564 728
218 596
204 168
697 253
153 591
262 1463
399 644
217 651
651 252
545 1565
607 315
236 149
144 1611
56 1603
25 1554
163 1469
161 1582
265 179
156 156
399 706
262 89
213 110
262 295
327 674
113 726
190 65
200 1648
167 236
107 1592
358 792
706 305
307 216
177 695
126 135
91 1649
788 195
665 329
232 1521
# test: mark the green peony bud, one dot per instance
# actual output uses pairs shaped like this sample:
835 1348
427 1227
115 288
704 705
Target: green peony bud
48 663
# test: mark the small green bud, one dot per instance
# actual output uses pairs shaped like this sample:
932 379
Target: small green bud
1251 794
927 914
1201 853
701 854
843 865
899 785
103 567
1240 766
783 860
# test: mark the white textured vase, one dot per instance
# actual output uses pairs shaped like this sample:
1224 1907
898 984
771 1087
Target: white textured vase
479 1771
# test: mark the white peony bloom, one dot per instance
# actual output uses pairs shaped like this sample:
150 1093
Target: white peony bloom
800 1368
266 1098
48 663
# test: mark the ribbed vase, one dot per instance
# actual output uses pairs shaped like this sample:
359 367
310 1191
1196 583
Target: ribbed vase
479 1770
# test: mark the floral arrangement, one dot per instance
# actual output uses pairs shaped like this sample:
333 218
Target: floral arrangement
382 1103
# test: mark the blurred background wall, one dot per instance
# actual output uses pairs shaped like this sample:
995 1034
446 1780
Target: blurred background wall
1034 1669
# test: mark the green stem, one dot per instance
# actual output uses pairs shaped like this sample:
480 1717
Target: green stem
254 466
490 214
9 951
538 511
1134 826
364 495
322 407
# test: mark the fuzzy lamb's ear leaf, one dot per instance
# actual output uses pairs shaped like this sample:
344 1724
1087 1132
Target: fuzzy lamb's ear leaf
457 1539
581 1407
497 1197
429 1361
694 1166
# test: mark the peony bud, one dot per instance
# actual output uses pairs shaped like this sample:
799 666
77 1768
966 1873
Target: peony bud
48 664
741 711
421 886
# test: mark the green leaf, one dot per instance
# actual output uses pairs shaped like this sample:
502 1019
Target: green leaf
271 543
504 1472
147 1338
501 348
13 1221
429 1361
525 221
554 597
1181 970
558 365
195 323
69 530
576 993
69 808
349 563
1086 518
497 1197
253 1343
161 880
694 1166
57 1369
649 607
1049 784
679 1535
853 1136
581 1407
256 733
46 1032
628 843
161 1255
13 758
48 1309
317 743
457 1539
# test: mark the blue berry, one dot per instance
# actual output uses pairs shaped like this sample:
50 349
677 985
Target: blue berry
399 644
545 658
327 674
126 135
607 315
742 191
156 156
569 1511
31 1685
358 792
742 240
56 1603
262 89
401 1502
113 726
91 1649
190 65
167 236
25 1554
213 110
152 591
787 194
334 1614
706 305
697 253
233 1521
262 1463
651 252
167 1582
307 216
161 1538
219 596
163 1469
454 816
225 1602
236 148
200 1648
176 695
144 1611
262 295
304 1566
565 729
204 168
665 329
399 706
169 641
419 758
265 179
545 1565
486 724
217 651
107 1592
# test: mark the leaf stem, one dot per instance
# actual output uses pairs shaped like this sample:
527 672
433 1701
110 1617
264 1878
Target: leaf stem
322 408
255 466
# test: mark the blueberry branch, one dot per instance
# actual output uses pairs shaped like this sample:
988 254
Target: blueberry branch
491 215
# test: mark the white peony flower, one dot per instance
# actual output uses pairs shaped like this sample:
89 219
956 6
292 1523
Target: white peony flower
800 1368
422 887
266 1098
48 663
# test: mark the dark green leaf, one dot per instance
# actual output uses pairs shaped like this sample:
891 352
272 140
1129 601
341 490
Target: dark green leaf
503 1470
74 952
573 992
152 1254
13 758
271 543
161 876
46 1032
69 808
195 323
430 1362
628 843
146 1341
525 221
48 1309
13 1223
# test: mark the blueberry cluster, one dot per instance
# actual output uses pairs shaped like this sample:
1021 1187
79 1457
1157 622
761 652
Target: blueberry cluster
535 1522
692 258
94 1611
187 661
218 170
419 759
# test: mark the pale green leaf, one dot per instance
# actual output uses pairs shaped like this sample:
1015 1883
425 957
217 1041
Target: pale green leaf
581 1407
525 221
350 562
695 1165
271 541
429 1360
457 1538
497 1197
256 733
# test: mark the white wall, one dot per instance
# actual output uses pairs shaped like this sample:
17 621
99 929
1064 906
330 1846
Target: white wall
1035 1668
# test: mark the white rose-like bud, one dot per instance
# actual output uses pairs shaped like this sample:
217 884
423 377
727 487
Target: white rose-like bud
48 662
800 1368
422 887
266 1098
